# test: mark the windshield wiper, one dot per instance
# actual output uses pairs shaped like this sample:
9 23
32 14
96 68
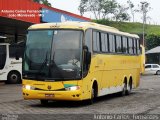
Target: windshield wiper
43 65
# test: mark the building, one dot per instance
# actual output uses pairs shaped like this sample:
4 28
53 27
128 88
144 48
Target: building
153 55
17 15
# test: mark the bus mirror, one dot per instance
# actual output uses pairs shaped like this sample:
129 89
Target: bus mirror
85 48
17 55
87 55
88 58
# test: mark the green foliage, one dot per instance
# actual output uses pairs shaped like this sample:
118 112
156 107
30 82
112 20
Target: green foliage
135 28
132 9
152 40
152 32
109 7
45 2
104 8
120 13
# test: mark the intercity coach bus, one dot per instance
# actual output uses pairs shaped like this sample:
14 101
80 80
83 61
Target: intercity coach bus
11 62
78 61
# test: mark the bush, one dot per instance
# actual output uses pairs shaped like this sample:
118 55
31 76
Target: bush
152 41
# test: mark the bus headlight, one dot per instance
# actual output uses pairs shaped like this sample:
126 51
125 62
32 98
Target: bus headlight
73 88
28 87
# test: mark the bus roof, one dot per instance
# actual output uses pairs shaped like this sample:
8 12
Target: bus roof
80 25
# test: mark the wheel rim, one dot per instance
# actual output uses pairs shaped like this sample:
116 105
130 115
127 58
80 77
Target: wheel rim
14 77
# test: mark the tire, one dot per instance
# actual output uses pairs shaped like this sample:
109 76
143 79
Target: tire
13 77
158 72
93 95
44 102
124 90
129 88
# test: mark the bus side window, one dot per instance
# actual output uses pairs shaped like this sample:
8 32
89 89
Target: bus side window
103 42
96 42
12 51
87 51
130 41
88 38
138 47
118 44
112 43
135 46
125 45
2 56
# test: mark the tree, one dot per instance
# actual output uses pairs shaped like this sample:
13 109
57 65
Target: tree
109 7
95 6
144 8
131 7
37 1
121 14
100 8
82 7
152 41
45 2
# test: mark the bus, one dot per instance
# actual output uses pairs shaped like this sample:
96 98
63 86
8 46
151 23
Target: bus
11 62
76 61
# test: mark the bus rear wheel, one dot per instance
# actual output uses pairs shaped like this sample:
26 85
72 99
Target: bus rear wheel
129 87
124 90
13 77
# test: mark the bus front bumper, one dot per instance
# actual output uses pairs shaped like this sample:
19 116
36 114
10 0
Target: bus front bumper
52 95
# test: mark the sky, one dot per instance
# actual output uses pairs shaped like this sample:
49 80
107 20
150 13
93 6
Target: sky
72 6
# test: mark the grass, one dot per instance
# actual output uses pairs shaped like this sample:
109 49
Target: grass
135 28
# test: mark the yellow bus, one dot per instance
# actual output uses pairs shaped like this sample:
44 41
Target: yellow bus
78 61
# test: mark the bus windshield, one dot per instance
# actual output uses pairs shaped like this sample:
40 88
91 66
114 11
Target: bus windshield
53 55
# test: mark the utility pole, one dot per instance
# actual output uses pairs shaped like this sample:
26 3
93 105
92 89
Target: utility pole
145 9
144 18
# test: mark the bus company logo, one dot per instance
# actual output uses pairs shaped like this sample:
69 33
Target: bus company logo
49 87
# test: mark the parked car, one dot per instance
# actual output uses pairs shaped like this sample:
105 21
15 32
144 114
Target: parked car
152 69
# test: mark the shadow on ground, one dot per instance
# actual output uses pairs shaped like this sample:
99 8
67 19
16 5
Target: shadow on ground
72 104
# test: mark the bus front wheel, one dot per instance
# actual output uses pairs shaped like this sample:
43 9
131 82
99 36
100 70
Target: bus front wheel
94 92
13 77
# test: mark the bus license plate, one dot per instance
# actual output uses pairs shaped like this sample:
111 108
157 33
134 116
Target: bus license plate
49 95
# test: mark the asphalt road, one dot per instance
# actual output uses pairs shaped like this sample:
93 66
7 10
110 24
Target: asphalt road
144 100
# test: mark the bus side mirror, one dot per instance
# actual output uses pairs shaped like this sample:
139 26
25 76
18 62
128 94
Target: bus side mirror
87 55
17 55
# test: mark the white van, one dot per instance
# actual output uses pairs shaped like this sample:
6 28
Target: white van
10 63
